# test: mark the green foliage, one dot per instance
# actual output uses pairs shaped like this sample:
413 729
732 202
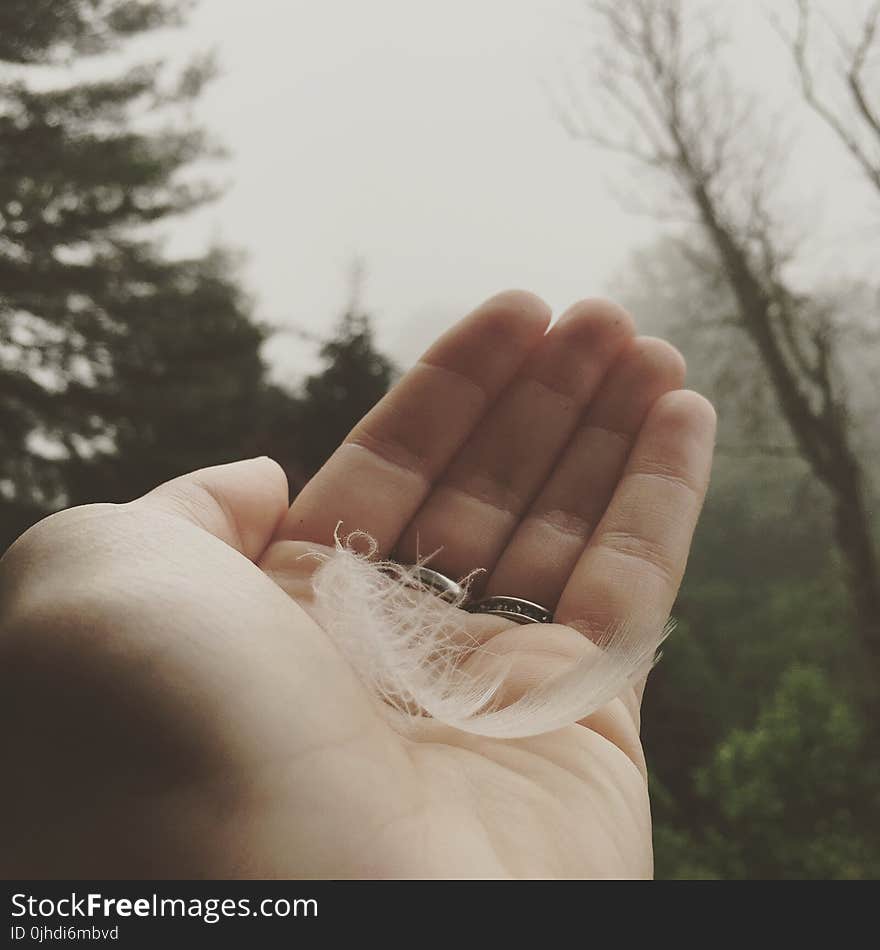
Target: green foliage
764 763
792 794
798 792
38 31
353 378
119 366
187 386
764 758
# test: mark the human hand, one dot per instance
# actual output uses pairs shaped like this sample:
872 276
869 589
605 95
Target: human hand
169 707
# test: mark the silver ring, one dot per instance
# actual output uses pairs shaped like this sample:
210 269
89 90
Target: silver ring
512 608
441 585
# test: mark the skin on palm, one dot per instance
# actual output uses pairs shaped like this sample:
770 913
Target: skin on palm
477 796
160 657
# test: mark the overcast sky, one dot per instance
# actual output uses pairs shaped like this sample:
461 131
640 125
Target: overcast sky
417 135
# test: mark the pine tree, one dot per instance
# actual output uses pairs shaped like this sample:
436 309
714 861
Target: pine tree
119 366
353 378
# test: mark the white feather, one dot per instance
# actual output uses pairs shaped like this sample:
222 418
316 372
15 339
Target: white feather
413 650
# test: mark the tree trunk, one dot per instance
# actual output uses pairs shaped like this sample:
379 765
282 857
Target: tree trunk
822 438
852 521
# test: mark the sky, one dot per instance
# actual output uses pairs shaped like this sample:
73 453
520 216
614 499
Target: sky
418 136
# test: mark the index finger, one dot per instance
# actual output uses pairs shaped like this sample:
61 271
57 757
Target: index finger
377 479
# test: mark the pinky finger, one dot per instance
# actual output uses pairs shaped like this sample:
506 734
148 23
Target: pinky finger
632 568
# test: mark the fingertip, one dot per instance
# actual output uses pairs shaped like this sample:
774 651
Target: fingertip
261 479
276 477
241 503
577 352
597 311
516 304
685 409
260 488
512 317
659 358
490 344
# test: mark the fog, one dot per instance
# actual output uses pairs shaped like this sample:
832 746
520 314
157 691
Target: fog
420 137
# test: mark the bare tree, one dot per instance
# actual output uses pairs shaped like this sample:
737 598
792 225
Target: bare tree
857 127
664 92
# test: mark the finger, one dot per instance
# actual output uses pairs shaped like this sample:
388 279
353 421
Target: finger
541 555
476 505
632 567
241 503
376 480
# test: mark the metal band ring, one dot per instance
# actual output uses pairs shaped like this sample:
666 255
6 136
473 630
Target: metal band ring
441 585
513 608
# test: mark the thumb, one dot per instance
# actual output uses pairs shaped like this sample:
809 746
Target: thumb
240 503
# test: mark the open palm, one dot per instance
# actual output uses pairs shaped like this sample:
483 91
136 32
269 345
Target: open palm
567 464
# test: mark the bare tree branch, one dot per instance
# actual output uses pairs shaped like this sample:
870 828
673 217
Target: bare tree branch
863 127
677 113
